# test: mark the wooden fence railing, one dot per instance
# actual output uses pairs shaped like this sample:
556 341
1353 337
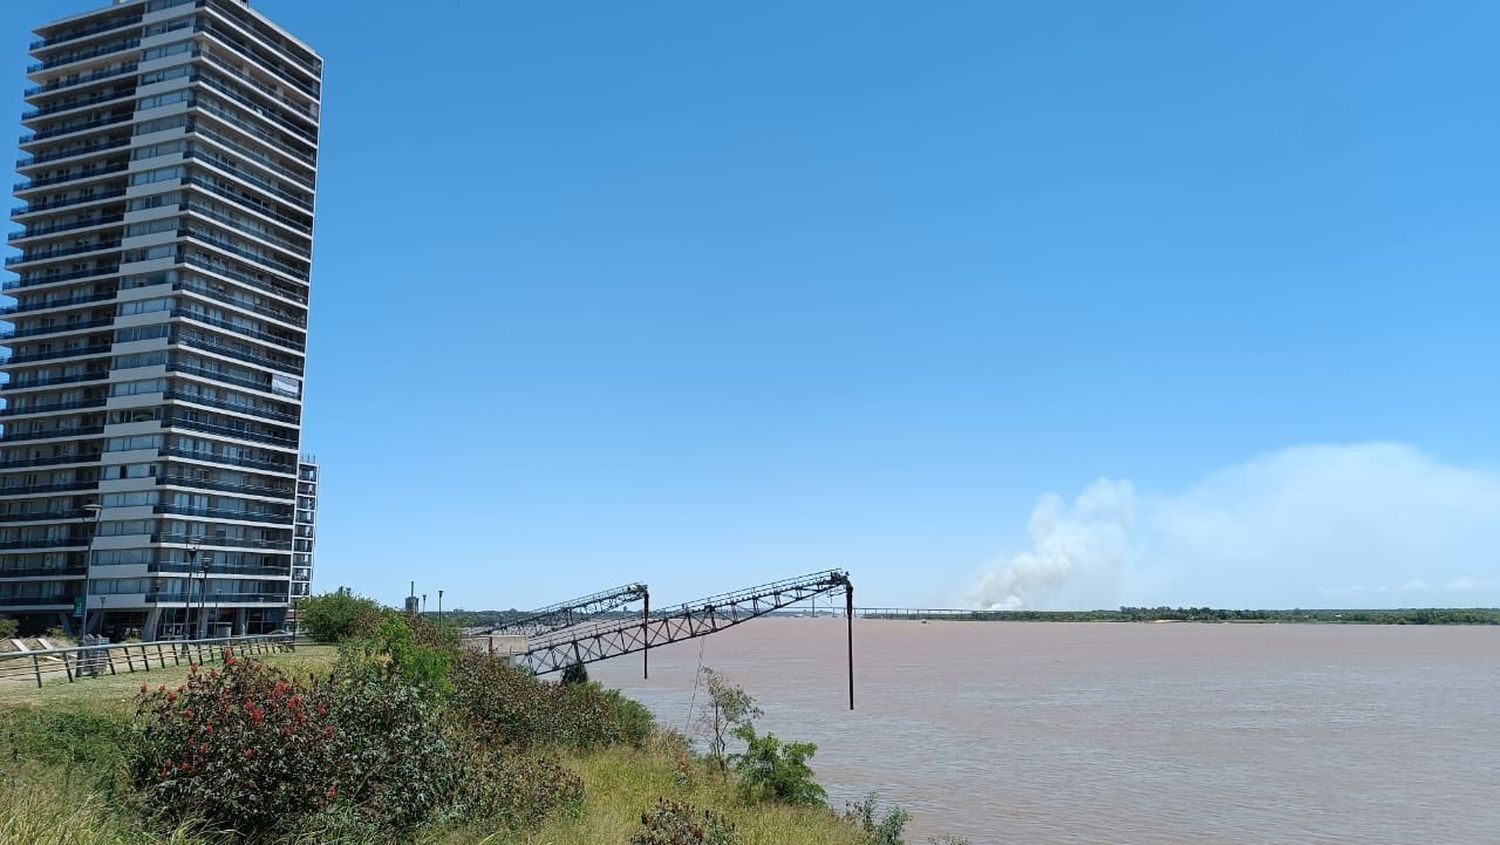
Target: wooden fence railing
84 661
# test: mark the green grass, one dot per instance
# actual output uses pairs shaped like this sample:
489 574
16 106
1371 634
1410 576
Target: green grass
60 758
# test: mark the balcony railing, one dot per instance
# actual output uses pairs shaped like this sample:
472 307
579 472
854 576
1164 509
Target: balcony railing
246 279
45 517
225 378
224 598
50 381
263 260
35 601
32 184
58 328
58 108
221 542
228 431
75 34
84 56
218 296
82 431
75 127
189 314
40 571
281 74
98 220
242 227
250 463
224 486
34 489
195 569
231 352
28 307
14 411
236 407
306 157
222 513
55 460
271 115
54 278
63 252
32 161
32 358
59 84
44 543
32 208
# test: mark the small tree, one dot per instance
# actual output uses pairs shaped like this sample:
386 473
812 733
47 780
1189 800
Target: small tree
334 617
774 770
728 709
575 673
8 627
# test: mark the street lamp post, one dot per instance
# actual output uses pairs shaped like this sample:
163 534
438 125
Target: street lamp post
208 562
193 549
440 606
94 510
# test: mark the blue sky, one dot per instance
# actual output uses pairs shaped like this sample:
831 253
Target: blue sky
711 294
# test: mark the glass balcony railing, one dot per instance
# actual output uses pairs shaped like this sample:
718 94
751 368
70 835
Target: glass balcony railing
85 55
246 279
71 177
81 431
46 543
52 381
222 542
32 161
228 431
98 220
57 328
224 513
54 460
237 407
248 357
63 252
64 487
42 305
59 84
55 407
75 34
59 108
229 460
33 357
75 127
226 378
225 486
32 208
218 296
36 601
190 314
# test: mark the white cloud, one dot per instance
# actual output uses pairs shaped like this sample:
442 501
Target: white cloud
1284 529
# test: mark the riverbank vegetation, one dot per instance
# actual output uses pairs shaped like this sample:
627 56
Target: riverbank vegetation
1394 616
394 735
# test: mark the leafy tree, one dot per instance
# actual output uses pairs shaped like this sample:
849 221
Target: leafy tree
575 673
728 709
774 770
886 829
337 616
8 627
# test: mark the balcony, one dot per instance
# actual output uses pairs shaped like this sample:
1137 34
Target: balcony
263 260
194 569
208 345
32 358
33 208
54 278
267 62
53 461
33 184
45 517
36 601
46 543
220 513
58 108
64 252
44 305
220 542
224 487
306 157
302 179
219 598
52 381
75 127
236 407
32 161
22 436
242 227
42 571
189 314
226 431
55 407
60 328
246 279
98 220
217 296
225 378
34 489
75 34
59 84
84 56
250 463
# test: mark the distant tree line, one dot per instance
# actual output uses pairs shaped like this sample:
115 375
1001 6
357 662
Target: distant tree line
1395 616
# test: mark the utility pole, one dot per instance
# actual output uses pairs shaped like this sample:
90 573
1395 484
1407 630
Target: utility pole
440 605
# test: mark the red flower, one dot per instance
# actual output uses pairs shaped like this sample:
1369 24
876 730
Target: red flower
249 752
330 793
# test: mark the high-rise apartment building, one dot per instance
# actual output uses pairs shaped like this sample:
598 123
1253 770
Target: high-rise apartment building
150 458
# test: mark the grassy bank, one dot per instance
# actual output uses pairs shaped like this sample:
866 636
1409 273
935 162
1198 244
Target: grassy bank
62 780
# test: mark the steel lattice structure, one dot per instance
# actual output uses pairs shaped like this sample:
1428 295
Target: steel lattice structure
573 612
554 652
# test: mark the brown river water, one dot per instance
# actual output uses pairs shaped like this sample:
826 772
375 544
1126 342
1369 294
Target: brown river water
1043 733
